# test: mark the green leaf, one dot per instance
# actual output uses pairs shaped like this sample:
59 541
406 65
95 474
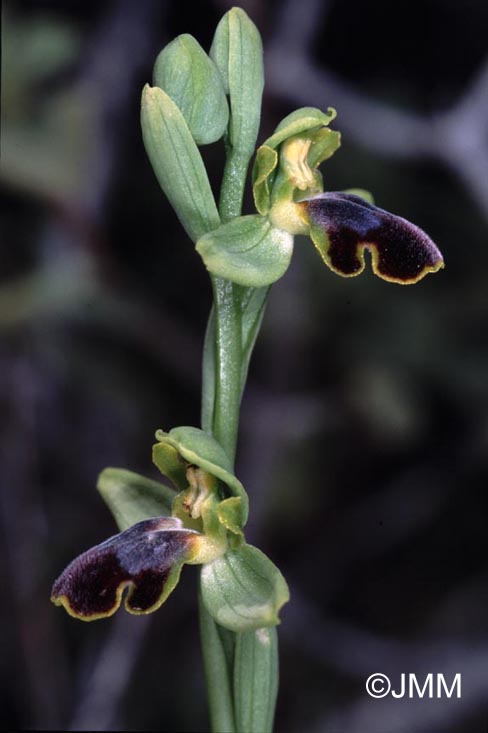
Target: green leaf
256 676
199 448
247 250
132 498
185 72
177 162
243 590
238 53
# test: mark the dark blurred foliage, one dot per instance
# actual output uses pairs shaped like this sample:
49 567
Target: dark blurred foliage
365 426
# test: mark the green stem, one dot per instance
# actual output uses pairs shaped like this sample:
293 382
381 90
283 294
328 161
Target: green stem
225 363
228 319
218 673
221 396
228 364
233 184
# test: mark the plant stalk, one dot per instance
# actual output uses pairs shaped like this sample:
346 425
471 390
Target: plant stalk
222 389
221 396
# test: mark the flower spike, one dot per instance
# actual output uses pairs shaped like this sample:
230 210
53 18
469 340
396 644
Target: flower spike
343 225
147 558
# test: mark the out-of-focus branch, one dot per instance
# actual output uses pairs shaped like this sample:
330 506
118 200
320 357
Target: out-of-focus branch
457 136
101 697
35 643
119 49
462 136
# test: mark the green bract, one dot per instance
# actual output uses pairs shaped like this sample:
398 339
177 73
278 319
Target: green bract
177 162
185 72
253 307
243 590
248 251
256 679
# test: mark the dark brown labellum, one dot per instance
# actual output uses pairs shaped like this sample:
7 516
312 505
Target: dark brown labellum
343 225
146 558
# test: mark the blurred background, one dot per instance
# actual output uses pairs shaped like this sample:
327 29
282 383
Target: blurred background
365 425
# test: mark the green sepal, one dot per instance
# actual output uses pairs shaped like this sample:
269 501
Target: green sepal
243 590
256 676
238 53
264 166
177 162
306 121
247 250
185 72
299 121
199 448
362 193
168 460
132 497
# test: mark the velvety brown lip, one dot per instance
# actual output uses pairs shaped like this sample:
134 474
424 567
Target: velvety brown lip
142 558
343 225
